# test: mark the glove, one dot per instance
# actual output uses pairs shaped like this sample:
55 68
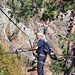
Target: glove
51 50
30 49
43 22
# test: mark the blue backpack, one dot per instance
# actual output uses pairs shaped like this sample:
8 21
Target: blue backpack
47 48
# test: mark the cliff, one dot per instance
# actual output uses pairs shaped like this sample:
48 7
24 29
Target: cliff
14 38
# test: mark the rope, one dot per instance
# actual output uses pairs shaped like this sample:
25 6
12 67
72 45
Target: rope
65 56
12 21
9 52
29 39
16 52
6 53
17 26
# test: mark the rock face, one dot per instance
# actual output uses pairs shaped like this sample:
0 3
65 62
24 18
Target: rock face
16 39
62 23
3 3
14 36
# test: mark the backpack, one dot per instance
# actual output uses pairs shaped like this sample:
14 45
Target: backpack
47 48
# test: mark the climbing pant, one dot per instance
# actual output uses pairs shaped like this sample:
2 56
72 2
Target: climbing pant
40 64
45 32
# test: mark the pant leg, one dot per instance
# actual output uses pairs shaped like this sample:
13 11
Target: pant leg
40 65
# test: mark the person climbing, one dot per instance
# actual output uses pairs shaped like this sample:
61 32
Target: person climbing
45 27
41 55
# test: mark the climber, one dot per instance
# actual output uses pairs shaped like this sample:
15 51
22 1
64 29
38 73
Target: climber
45 27
41 55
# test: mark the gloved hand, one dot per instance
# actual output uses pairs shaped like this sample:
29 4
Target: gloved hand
30 49
52 51
43 22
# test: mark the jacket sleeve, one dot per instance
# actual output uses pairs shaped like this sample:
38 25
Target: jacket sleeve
40 43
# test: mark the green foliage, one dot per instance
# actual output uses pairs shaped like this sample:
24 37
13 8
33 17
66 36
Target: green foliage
64 47
39 3
72 38
9 64
57 67
62 44
63 6
24 9
50 10
2 72
27 1
62 41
